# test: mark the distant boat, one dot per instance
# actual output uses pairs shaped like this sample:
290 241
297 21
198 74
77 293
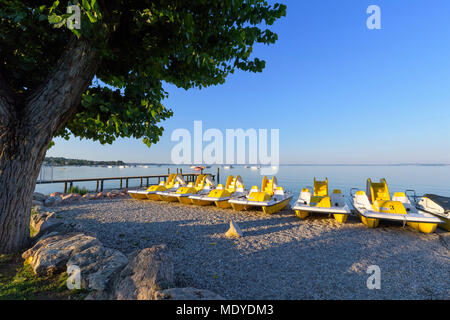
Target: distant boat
254 168
121 167
227 167
246 167
198 168
110 167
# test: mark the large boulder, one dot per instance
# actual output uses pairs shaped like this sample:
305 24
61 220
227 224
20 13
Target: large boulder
186 294
99 268
149 271
50 254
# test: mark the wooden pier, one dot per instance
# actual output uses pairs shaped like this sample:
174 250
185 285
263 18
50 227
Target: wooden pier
124 181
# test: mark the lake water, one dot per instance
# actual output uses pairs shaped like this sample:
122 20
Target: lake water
423 179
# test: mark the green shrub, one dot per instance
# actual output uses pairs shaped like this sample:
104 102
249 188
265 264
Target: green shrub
76 189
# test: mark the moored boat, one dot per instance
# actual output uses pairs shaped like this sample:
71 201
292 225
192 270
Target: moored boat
165 194
376 204
271 198
438 206
203 185
321 202
234 187
150 192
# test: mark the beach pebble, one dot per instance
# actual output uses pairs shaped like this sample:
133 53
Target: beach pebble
186 294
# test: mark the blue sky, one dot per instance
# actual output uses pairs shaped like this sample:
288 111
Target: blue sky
338 92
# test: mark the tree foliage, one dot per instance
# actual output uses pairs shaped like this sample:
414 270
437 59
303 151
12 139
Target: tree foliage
140 44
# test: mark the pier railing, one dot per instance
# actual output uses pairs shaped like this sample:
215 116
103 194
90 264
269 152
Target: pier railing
124 181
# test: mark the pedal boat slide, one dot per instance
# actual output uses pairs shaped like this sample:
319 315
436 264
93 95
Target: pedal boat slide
321 202
271 198
379 206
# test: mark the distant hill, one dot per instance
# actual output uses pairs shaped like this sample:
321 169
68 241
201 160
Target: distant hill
60 161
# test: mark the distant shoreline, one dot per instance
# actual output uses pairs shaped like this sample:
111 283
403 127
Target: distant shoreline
62 162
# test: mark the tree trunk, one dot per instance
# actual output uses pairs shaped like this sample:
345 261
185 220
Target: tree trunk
20 162
27 126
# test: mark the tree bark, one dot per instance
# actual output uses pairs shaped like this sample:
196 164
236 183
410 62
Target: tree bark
27 126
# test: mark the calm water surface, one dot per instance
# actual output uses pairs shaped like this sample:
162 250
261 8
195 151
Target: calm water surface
423 179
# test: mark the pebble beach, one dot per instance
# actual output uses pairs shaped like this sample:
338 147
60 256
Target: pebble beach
279 256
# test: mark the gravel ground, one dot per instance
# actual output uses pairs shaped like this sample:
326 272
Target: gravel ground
280 256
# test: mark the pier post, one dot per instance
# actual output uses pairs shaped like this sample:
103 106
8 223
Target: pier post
140 184
120 183
96 186
147 183
65 187
101 186
126 182
218 177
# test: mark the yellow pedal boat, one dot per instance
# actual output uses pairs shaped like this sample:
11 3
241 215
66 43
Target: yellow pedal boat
271 198
234 187
379 206
164 194
321 202
174 194
150 192
203 185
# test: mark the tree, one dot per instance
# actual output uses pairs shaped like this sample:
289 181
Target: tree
104 80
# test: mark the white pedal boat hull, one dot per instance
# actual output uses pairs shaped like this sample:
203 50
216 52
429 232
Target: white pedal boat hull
331 210
244 201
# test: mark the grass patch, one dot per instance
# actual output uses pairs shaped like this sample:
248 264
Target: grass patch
18 282
80 191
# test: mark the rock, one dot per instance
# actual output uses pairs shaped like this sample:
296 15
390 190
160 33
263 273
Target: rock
234 231
149 271
99 195
50 201
50 254
99 268
44 221
115 192
186 294
39 197
37 203
70 198
56 194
